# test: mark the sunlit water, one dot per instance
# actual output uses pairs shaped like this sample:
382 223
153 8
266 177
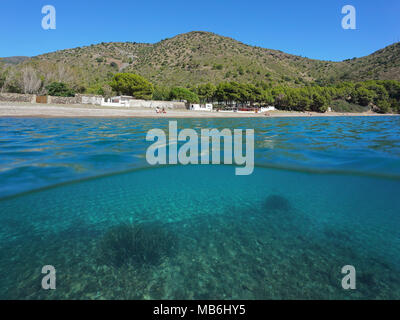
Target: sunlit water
324 194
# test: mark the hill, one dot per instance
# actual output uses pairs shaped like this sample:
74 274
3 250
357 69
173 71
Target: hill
381 65
200 57
13 60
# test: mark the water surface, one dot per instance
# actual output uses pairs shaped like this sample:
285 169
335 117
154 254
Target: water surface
324 194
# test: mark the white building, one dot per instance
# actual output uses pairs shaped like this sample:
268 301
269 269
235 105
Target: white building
120 101
266 109
201 107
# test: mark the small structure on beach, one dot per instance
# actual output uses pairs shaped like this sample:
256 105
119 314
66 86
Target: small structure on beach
131 102
119 101
267 109
201 107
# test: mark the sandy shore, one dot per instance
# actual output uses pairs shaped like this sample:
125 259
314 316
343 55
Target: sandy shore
76 111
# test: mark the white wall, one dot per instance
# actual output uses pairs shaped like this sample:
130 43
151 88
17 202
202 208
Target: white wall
92 100
154 104
133 103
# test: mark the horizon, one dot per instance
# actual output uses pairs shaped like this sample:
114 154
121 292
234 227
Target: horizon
312 30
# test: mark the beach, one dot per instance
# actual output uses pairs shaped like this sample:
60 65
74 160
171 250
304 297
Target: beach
77 111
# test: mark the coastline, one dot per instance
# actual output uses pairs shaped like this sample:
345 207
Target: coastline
90 111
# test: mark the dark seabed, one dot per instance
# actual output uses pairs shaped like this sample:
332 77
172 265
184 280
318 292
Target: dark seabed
324 194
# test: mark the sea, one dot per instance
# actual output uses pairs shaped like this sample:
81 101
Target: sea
78 195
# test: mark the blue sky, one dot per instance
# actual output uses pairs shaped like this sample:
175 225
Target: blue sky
310 28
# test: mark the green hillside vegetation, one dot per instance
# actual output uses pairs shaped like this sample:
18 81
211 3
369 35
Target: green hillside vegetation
382 96
59 89
214 67
132 85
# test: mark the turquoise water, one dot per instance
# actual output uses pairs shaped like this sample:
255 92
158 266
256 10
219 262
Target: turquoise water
324 194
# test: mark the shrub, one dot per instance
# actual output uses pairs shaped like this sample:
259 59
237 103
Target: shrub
344 106
277 203
59 89
139 244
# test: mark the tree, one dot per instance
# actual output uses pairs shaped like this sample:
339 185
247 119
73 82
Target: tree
319 103
229 92
392 87
383 106
381 93
62 74
267 97
59 89
179 93
279 96
161 93
11 82
304 100
31 83
132 85
2 81
250 93
363 96
100 89
206 92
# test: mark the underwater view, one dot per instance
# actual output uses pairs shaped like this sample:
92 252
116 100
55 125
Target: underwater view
78 194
